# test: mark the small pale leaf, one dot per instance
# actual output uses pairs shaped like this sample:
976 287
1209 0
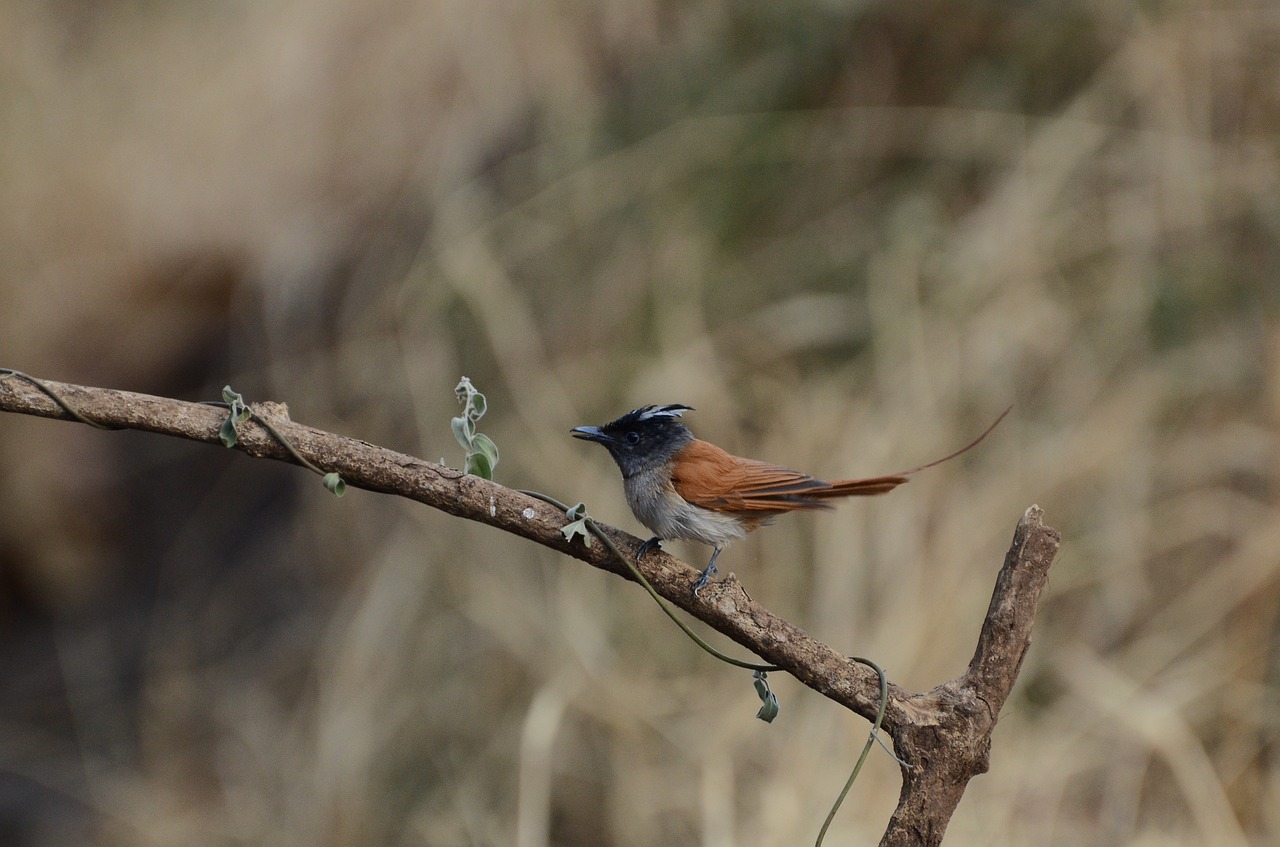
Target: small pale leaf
463 430
769 702
484 444
578 527
227 432
478 464
334 483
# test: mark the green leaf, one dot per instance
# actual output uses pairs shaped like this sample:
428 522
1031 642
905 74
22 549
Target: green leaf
577 516
769 710
479 464
769 702
227 432
231 397
334 483
482 453
484 444
578 527
463 430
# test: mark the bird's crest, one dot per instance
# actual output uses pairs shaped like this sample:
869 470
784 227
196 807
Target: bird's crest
649 413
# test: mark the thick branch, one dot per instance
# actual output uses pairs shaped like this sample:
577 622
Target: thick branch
948 738
1006 631
944 735
726 609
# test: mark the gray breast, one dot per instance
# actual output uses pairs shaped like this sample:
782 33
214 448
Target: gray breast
667 515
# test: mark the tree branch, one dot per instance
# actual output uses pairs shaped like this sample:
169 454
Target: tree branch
943 735
948 738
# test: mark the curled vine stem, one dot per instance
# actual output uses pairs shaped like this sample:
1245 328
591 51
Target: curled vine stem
57 398
482 453
577 514
239 412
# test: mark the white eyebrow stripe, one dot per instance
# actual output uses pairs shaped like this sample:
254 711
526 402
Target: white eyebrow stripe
674 410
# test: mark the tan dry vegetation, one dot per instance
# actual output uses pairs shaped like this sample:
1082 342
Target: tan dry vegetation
848 236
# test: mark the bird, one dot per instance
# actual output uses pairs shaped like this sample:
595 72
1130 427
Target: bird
681 487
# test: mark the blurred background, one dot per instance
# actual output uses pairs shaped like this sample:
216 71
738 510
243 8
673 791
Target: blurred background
849 234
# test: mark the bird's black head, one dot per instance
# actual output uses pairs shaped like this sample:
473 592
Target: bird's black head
643 438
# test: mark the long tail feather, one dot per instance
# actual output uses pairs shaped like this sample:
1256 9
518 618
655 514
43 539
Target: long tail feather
965 449
859 487
884 484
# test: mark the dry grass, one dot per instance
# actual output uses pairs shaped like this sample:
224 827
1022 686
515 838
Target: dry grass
849 238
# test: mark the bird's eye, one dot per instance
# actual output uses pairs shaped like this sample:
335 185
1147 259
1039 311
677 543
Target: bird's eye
632 438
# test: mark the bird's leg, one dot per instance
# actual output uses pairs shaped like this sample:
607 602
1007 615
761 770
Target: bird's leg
652 544
705 577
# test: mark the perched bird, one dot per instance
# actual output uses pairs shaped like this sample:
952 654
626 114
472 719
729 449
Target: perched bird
681 487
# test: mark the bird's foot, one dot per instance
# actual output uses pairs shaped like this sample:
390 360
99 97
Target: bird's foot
649 546
703 579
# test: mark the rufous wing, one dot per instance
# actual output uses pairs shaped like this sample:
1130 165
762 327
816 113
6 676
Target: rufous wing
709 477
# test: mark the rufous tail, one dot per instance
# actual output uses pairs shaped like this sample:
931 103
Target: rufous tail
859 487
885 484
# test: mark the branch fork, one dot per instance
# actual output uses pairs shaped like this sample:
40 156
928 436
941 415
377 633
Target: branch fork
942 736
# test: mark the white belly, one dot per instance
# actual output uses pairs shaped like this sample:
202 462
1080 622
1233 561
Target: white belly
669 516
